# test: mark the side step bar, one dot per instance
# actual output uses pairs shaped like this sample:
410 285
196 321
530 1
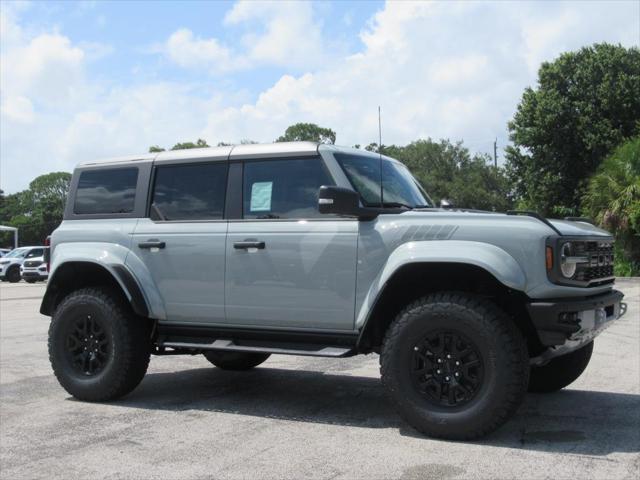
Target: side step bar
310 350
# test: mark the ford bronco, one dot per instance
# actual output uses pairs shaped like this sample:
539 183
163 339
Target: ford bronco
241 252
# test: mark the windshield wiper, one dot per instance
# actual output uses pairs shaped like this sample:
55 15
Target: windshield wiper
396 205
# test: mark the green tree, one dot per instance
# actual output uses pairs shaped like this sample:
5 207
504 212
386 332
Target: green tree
38 210
309 132
155 149
612 198
200 143
585 104
449 171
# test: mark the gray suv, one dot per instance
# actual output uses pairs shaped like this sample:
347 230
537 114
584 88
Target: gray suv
241 252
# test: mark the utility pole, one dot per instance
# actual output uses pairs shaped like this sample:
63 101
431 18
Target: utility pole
495 153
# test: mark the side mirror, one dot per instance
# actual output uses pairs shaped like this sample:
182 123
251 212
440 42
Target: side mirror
339 201
444 203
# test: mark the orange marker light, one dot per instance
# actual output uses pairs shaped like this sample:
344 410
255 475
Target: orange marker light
549 258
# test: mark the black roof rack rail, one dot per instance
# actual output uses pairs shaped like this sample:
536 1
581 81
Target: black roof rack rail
535 215
580 219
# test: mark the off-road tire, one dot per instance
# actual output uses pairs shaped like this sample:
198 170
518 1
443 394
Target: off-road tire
129 337
235 360
13 274
497 341
561 371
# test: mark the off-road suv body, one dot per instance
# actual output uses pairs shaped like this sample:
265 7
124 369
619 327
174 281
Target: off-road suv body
241 252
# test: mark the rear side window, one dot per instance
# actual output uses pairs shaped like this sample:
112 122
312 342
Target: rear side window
189 192
106 191
36 252
283 188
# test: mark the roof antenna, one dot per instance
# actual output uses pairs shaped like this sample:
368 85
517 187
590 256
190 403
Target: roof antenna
380 153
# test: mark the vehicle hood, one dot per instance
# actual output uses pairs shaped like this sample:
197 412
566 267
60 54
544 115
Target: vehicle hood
565 227
568 228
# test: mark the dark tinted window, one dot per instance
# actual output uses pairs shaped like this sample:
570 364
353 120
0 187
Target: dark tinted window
283 188
189 192
36 252
106 191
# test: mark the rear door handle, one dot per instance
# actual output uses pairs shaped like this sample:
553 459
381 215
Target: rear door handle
152 244
249 244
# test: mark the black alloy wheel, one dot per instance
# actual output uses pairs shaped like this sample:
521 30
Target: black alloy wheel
447 368
88 346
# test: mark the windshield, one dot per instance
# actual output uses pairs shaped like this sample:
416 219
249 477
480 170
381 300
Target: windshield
399 186
17 253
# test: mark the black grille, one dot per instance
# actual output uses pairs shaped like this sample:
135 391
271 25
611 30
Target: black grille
600 265
33 263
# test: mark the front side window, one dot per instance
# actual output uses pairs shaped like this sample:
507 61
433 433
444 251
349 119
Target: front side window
189 192
36 252
283 188
399 186
106 191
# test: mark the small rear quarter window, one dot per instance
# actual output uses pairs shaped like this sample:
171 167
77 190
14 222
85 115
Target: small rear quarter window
106 191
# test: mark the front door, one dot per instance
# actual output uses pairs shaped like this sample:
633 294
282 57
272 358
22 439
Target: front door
288 265
182 243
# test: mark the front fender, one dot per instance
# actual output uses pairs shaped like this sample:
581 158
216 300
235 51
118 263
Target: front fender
493 259
133 277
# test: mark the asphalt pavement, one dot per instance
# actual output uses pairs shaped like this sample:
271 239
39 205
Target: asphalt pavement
297 417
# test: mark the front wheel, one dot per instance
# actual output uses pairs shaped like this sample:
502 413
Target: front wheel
13 275
235 360
454 365
561 371
98 348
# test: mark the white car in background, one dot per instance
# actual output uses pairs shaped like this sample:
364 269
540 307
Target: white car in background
4 251
10 264
34 270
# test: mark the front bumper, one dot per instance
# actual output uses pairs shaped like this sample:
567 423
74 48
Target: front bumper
34 273
575 319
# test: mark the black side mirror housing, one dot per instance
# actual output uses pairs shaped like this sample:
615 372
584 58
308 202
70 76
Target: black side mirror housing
342 201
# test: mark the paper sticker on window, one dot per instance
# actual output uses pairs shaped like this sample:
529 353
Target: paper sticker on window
261 196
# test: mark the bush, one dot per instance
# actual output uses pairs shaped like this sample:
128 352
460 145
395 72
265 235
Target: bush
613 200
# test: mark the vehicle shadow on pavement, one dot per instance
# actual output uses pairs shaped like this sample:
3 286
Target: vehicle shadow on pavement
570 421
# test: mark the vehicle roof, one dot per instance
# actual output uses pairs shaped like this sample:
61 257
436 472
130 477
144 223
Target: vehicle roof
252 150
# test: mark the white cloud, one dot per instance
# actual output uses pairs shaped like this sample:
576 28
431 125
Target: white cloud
453 70
285 34
187 51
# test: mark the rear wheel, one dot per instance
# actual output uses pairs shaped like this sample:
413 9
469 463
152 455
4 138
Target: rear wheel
98 348
13 275
455 366
235 360
561 371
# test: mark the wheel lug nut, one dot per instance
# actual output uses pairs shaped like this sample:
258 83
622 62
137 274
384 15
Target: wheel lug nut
447 378
438 371
457 363
416 349
457 374
448 356
439 360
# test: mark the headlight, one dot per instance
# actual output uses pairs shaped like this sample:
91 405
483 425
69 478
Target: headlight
568 264
5 262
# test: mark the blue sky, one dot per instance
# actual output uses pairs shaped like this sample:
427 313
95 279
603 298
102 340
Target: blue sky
86 80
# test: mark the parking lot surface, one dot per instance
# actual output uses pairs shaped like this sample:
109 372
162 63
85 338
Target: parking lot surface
297 417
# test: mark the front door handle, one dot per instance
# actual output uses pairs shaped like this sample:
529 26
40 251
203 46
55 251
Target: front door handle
152 244
249 244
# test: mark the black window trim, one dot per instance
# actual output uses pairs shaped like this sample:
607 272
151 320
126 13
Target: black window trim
183 163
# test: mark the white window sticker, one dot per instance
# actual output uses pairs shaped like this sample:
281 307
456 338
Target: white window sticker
261 196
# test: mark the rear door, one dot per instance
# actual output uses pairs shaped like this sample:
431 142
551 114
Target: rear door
288 265
182 239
